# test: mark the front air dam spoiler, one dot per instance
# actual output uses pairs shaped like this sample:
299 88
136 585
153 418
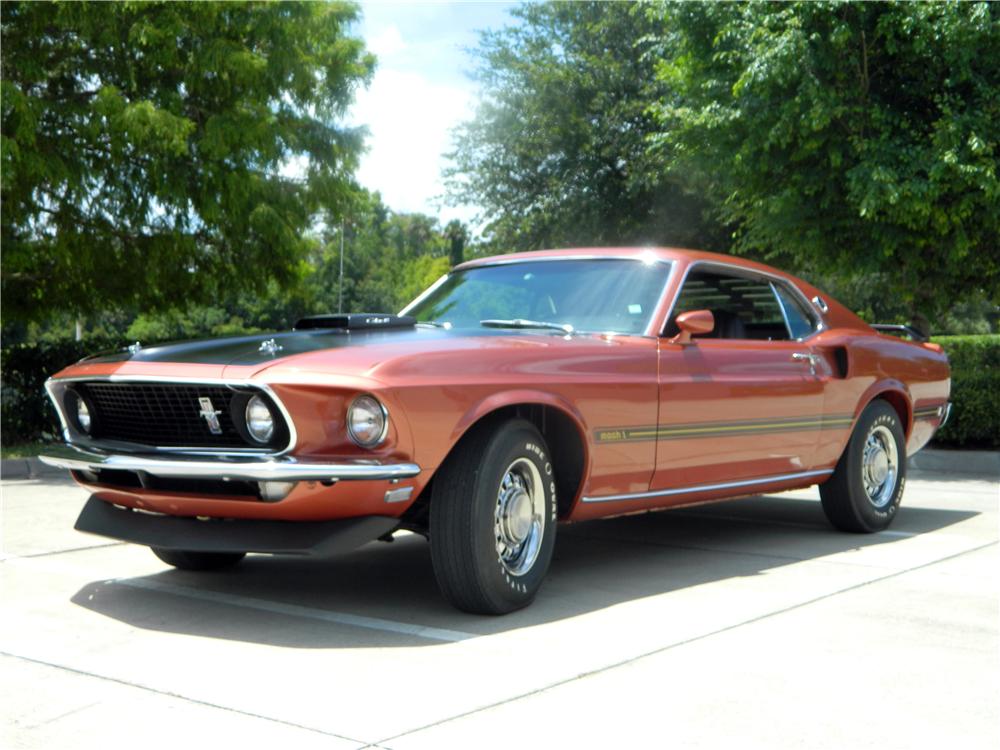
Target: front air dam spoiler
312 538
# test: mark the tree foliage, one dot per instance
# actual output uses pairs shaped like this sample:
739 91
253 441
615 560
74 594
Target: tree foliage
844 138
145 147
857 142
389 258
557 152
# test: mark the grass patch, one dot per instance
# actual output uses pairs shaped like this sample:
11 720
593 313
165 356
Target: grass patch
24 450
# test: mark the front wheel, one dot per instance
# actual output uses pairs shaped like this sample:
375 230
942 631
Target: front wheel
865 490
493 519
187 560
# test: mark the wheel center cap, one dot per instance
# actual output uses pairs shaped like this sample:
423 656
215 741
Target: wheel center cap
517 517
879 467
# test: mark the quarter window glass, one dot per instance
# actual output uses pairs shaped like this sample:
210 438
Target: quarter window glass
800 323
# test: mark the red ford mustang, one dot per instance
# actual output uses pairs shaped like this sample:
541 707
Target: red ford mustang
517 392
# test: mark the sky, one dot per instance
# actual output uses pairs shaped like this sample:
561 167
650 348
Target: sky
421 89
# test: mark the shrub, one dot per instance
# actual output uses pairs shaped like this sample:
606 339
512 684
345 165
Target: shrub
26 413
975 391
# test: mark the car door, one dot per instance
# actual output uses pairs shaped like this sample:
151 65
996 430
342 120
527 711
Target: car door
745 401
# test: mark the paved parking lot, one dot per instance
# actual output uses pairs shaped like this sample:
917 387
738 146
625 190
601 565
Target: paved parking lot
746 623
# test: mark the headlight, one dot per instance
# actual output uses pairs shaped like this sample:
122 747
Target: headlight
260 421
82 415
367 421
77 413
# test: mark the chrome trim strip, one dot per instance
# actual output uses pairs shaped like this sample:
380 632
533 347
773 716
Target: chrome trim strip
651 325
641 255
751 273
784 312
707 487
70 435
947 414
426 293
265 470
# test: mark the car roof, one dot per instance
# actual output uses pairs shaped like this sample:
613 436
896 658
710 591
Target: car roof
660 253
836 315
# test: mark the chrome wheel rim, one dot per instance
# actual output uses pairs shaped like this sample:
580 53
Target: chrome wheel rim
519 517
880 466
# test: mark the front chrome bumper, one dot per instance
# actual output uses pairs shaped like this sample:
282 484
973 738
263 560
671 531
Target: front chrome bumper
255 468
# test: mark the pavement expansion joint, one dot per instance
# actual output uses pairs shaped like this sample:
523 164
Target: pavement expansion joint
179 696
686 641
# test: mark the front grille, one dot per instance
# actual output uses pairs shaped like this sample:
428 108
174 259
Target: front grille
162 414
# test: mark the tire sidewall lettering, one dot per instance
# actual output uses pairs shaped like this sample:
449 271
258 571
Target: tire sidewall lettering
537 455
882 516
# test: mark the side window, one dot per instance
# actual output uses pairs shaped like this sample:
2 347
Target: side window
800 321
743 307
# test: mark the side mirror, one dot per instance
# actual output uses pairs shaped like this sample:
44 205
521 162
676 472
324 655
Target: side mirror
693 322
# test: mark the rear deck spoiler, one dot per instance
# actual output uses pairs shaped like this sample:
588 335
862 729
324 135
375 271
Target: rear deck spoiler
910 331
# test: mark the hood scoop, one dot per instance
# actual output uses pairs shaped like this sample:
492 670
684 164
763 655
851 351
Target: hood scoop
355 322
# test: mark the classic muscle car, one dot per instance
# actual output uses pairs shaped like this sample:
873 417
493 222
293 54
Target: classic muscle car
517 392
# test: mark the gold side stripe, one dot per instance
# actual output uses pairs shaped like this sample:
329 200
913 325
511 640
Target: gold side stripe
788 424
741 428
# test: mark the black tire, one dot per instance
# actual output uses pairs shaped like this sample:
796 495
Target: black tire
848 504
187 560
483 496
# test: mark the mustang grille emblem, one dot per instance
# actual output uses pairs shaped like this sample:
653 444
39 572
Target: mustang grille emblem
210 415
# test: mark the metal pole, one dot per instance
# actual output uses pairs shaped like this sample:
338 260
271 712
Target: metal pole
340 291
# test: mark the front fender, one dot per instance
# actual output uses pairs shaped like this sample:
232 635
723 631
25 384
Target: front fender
496 401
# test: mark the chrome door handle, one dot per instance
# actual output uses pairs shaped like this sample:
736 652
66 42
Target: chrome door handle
812 359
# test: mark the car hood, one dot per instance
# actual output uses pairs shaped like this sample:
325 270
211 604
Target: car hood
260 349
366 353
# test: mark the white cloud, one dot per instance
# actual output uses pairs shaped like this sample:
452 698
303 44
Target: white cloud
410 119
387 42
420 92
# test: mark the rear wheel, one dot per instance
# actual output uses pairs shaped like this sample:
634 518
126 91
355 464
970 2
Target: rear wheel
187 560
866 488
493 519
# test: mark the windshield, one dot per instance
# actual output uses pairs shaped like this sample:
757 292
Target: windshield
611 294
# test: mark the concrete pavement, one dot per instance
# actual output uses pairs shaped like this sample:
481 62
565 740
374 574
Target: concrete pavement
748 622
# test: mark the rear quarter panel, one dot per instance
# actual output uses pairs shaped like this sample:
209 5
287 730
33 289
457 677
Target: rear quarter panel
912 377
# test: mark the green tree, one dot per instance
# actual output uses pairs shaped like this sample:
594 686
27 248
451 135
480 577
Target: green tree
458 238
146 147
847 139
557 151
389 257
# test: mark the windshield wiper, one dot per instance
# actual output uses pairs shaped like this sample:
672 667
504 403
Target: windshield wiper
522 323
434 323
